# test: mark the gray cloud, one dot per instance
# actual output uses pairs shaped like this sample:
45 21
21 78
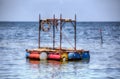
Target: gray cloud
86 10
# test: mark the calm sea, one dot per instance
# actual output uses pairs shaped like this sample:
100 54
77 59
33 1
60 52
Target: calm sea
104 63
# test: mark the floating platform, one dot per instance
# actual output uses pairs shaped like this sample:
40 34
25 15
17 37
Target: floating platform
46 53
53 53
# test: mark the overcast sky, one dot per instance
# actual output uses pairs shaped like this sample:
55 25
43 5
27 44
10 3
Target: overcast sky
86 10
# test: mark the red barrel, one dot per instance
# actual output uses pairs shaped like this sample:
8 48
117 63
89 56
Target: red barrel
54 56
34 56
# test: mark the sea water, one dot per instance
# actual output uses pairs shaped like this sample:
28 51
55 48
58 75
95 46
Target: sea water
104 61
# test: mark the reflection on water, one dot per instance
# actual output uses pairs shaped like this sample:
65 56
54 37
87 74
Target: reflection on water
57 70
54 62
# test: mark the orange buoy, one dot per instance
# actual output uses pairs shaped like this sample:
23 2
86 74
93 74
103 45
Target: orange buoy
34 56
55 56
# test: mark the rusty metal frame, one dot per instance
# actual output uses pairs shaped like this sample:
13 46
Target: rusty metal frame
54 22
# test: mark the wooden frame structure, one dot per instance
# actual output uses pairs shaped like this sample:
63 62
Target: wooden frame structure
54 23
54 52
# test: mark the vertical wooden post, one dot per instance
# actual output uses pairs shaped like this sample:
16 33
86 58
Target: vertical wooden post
60 31
75 33
53 31
39 31
101 37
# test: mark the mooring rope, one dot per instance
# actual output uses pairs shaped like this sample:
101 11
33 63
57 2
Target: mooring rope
67 40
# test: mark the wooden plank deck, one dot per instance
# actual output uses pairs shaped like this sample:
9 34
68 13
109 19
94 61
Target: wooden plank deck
55 50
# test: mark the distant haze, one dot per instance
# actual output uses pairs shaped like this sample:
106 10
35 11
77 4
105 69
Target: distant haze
86 10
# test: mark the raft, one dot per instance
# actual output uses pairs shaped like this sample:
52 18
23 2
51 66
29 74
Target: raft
54 53
50 54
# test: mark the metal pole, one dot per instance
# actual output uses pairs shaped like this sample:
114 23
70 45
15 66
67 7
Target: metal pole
75 33
101 37
39 31
53 31
60 31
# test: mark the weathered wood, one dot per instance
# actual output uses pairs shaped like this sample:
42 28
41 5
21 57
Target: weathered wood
75 32
55 50
39 31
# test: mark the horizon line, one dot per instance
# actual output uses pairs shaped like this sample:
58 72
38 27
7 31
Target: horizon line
77 21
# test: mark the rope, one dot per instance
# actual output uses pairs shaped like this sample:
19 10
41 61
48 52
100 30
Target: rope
65 38
68 40
52 38
45 29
